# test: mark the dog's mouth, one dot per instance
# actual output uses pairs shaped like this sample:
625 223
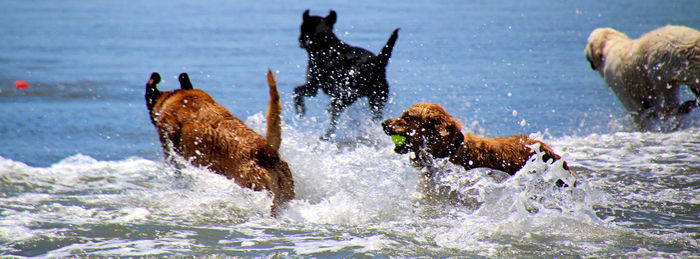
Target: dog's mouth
399 136
401 143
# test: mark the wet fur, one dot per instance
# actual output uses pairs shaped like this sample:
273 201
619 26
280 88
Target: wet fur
343 72
646 73
430 131
190 123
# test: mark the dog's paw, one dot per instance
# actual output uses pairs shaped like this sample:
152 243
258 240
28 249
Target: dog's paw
326 137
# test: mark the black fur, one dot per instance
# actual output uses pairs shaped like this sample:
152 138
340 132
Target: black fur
152 92
184 81
688 106
343 72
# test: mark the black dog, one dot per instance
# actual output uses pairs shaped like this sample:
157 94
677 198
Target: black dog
344 72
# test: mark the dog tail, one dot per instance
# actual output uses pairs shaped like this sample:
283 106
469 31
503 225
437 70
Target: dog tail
385 53
152 91
185 83
273 135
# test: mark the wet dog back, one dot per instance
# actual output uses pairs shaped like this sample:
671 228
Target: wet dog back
192 125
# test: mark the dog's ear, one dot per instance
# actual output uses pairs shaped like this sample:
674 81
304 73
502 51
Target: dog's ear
305 16
446 127
330 19
152 92
185 83
154 80
449 139
589 55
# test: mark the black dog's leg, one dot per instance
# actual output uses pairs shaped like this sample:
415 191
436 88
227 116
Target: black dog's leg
376 105
335 108
305 90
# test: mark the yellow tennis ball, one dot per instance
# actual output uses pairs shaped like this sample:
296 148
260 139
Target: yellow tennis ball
398 139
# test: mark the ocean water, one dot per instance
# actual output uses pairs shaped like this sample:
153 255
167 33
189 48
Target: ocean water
82 172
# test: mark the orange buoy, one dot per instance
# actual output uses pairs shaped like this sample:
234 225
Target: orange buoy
21 84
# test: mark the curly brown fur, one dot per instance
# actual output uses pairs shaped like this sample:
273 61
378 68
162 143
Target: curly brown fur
646 73
190 123
430 131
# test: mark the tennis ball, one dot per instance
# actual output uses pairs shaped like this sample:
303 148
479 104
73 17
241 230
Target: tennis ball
398 139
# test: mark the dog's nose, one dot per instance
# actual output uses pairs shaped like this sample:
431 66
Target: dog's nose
385 125
387 129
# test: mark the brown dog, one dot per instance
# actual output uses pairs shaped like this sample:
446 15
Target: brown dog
429 130
192 125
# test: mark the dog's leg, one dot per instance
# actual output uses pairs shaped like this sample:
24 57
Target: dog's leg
305 90
335 108
644 120
171 155
376 105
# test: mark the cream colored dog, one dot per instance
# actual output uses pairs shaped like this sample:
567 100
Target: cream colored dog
646 73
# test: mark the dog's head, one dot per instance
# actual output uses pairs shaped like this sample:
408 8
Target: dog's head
595 47
426 126
315 28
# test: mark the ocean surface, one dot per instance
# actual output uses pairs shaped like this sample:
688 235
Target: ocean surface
82 172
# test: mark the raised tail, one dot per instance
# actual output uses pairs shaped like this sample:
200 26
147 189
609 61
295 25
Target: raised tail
385 53
152 91
273 135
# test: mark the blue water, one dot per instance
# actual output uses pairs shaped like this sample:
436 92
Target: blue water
81 169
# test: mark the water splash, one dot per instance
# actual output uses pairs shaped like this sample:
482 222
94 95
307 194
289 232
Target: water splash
364 199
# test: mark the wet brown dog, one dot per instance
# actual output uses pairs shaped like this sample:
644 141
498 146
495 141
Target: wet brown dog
430 131
192 125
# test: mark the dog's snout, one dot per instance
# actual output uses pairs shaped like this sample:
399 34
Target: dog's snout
386 127
390 127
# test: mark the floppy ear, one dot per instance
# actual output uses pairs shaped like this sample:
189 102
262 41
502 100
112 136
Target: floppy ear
330 19
305 16
589 55
596 46
446 126
450 137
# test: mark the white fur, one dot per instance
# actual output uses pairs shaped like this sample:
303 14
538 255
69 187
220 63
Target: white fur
646 73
